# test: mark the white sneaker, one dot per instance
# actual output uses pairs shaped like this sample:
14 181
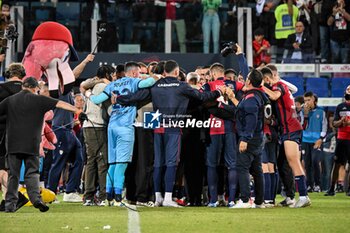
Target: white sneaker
261 206
146 204
158 203
109 203
171 204
242 205
269 204
317 189
287 202
102 203
72 197
118 204
302 202
231 204
213 205
88 203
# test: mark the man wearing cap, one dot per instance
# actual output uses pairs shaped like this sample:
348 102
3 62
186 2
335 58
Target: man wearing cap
25 114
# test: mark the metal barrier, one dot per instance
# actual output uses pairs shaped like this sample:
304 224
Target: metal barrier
244 16
317 69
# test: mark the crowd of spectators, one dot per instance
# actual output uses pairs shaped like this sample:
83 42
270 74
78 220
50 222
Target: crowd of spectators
321 34
64 170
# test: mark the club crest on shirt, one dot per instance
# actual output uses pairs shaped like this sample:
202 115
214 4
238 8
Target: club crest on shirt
230 85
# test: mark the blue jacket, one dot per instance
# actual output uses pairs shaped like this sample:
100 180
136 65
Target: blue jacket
315 125
169 95
250 115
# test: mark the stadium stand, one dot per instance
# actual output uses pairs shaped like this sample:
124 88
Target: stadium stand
298 82
338 86
319 86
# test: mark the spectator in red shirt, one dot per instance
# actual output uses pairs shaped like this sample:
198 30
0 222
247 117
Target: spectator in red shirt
261 49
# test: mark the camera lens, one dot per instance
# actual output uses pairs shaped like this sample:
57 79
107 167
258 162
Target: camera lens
228 48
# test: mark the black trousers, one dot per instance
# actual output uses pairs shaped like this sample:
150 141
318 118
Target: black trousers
250 162
139 174
2 150
193 157
31 178
285 173
312 159
44 176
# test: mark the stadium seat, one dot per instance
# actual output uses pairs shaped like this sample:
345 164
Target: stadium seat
338 86
331 109
298 82
319 86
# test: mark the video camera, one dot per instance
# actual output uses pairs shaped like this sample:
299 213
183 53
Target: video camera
11 32
229 47
101 30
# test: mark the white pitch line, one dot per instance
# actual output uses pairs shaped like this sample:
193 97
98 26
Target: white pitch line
133 221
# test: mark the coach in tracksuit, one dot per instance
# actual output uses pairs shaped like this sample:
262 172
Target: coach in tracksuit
250 120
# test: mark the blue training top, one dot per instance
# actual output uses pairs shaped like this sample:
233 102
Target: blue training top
61 116
123 115
316 125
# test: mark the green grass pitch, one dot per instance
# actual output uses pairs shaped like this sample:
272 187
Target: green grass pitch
326 214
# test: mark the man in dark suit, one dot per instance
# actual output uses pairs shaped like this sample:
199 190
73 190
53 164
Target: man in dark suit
299 45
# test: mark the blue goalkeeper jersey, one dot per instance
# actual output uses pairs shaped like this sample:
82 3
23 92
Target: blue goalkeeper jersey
123 116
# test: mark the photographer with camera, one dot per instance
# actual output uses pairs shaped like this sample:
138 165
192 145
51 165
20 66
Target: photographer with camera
5 18
232 47
8 30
